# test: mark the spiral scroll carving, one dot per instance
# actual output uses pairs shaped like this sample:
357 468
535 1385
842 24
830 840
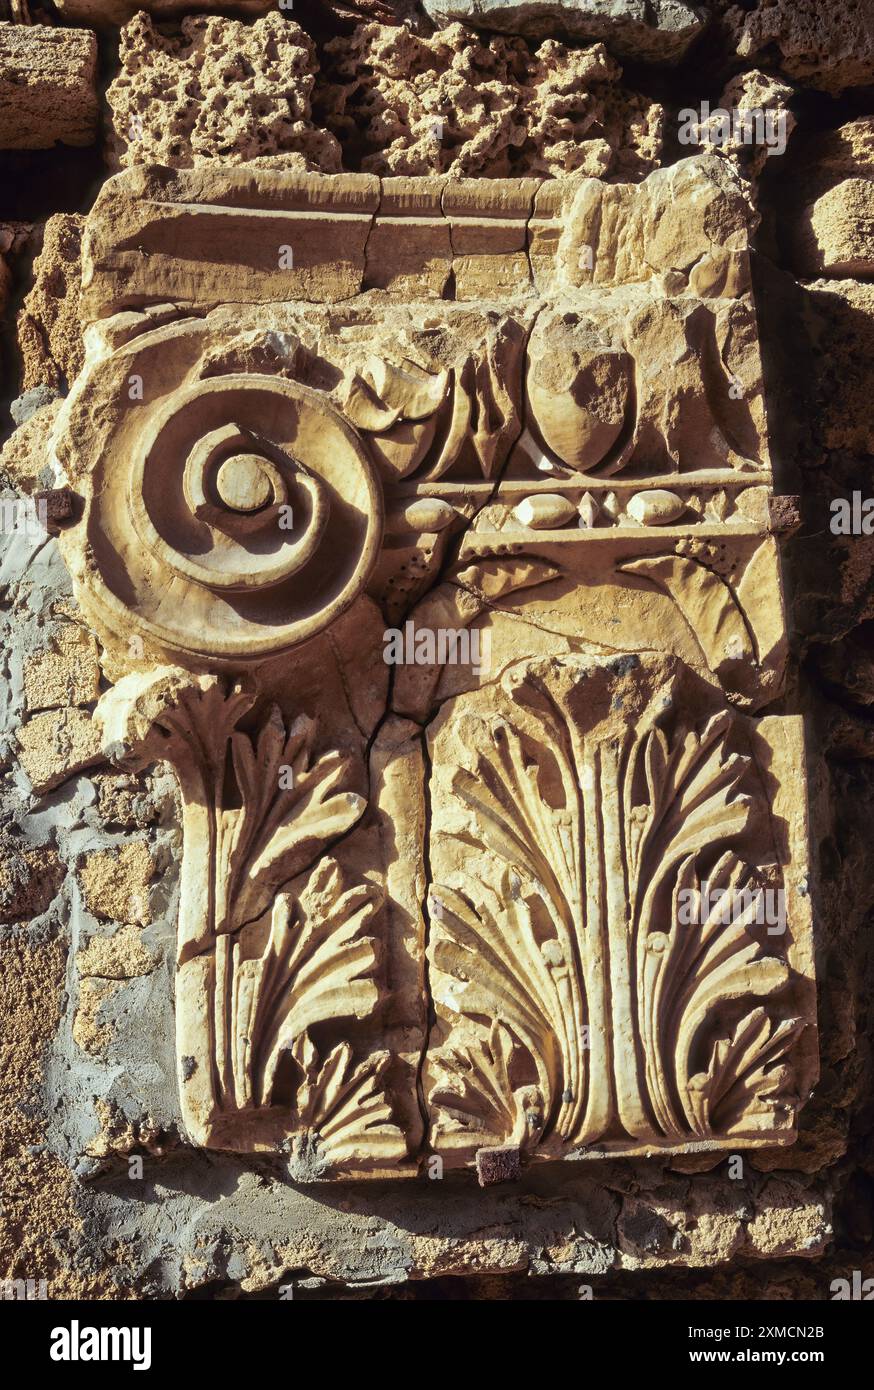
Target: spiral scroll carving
245 519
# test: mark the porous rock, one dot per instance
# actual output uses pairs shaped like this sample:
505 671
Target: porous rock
48 91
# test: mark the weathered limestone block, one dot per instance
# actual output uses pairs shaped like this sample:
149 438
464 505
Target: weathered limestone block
825 46
115 885
49 331
38 1188
48 89
453 103
844 311
90 1031
221 90
833 228
396 102
55 744
660 31
100 13
65 672
839 238
426 528
121 956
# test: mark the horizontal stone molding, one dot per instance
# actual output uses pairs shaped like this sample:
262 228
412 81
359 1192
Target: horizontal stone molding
210 236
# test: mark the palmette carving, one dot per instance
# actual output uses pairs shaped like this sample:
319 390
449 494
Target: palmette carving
314 962
575 1008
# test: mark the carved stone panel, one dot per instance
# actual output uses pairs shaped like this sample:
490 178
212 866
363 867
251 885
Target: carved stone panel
427 529
608 853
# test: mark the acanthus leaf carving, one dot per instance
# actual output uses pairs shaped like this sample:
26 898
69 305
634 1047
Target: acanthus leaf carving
309 961
555 911
290 807
271 944
343 1111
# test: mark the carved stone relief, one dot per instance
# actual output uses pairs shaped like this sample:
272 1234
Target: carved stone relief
576 1009
436 901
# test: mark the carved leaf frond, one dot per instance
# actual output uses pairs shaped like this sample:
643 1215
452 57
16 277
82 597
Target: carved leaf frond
317 965
474 1091
504 792
580 836
689 974
169 714
494 968
291 804
711 610
279 831
746 1078
342 1107
692 801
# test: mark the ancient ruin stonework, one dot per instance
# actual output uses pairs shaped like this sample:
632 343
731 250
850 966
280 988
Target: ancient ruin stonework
436 743
392 426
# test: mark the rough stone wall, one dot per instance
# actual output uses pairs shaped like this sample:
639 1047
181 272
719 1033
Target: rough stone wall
90 853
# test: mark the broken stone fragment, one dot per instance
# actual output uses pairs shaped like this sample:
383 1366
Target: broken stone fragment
784 514
48 92
500 1164
615 662
750 124
115 885
56 505
56 744
658 32
30 876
